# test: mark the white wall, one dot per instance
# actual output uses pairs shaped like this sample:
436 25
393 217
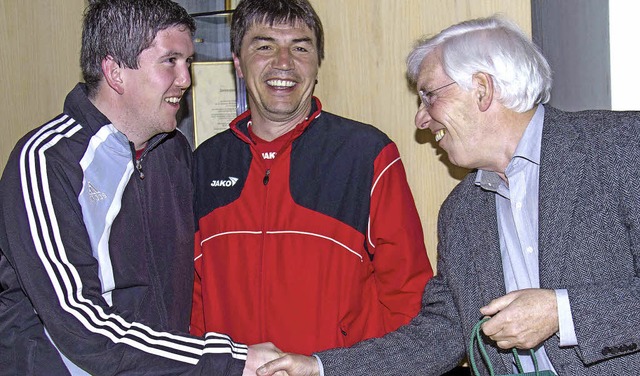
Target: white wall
624 31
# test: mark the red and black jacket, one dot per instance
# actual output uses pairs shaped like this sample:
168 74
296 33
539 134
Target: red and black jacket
322 249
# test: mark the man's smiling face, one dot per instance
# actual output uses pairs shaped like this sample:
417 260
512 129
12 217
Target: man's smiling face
280 65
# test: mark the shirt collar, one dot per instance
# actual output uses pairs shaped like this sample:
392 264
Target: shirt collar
529 145
528 148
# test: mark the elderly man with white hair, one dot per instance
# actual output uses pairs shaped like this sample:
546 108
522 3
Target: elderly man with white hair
543 235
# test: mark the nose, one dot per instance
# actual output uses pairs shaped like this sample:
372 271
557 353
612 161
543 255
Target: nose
284 59
183 79
422 118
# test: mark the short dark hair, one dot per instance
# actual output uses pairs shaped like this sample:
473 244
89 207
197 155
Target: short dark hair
123 29
272 12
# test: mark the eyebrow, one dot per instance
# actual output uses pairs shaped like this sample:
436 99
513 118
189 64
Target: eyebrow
174 54
271 39
302 40
425 91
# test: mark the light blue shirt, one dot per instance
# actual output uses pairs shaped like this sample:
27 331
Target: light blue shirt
517 217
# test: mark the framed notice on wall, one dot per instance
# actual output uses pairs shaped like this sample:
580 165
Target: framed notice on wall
231 4
214 98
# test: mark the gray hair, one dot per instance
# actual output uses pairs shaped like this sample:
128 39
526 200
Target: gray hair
493 45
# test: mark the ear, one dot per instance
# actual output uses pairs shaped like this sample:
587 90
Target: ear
113 74
236 64
483 89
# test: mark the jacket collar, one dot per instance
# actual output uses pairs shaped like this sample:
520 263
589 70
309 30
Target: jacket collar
79 107
239 126
560 176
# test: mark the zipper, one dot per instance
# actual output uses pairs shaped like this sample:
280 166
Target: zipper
139 168
138 162
264 227
265 180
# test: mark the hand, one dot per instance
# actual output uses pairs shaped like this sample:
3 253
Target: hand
522 319
258 355
293 364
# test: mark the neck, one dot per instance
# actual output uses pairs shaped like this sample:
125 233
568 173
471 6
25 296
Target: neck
514 126
269 131
269 125
109 108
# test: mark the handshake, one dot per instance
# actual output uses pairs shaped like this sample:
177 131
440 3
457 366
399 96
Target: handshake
265 359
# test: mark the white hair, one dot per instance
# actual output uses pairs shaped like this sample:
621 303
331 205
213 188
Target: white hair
521 74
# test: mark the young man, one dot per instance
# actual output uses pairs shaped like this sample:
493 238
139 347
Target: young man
316 242
543 235
96 225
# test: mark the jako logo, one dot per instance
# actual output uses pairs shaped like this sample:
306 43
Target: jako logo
224 183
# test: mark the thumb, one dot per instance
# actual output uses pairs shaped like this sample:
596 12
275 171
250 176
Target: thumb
270 368
497 305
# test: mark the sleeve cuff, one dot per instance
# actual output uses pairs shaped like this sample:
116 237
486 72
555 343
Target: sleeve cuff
567 332
320 367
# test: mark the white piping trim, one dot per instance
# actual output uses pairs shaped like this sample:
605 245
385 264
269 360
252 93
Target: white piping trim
225 233
371 195
318 236
277 233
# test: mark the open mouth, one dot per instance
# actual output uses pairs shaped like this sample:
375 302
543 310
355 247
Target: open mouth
281 84
173 100
440 134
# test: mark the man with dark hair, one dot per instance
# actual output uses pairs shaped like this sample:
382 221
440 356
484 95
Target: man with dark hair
96 225
316 241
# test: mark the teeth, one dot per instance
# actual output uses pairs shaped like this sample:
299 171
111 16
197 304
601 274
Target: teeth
173 99
280 83
440 134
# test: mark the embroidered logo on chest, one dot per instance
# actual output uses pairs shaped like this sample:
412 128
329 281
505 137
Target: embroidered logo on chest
224 183
269 155
94 193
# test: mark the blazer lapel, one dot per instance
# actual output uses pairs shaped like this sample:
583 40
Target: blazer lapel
487 258
560 175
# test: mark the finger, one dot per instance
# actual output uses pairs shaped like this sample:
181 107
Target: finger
492 328
505 344
272 367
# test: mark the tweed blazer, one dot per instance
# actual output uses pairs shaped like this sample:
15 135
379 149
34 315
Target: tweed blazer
589 244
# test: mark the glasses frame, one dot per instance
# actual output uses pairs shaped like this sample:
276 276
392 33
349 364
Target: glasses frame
427 98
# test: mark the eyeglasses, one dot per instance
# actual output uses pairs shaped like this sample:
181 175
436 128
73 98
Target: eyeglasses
428 98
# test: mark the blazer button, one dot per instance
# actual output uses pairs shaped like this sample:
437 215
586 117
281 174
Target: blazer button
606 351
629 347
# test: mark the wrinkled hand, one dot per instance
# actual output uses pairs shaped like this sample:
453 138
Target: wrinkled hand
293 364
260 354
521 319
